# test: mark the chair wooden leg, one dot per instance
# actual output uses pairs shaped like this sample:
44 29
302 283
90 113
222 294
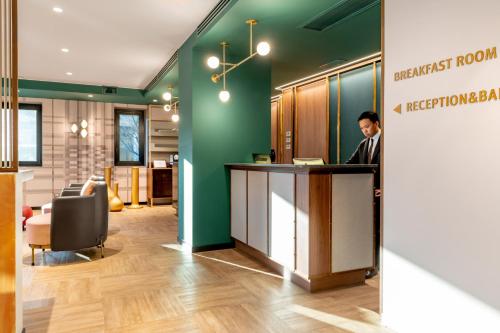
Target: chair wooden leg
102 249
32 256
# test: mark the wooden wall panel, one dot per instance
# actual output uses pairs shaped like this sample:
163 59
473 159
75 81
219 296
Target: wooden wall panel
275 124
7 253
312 121
288 124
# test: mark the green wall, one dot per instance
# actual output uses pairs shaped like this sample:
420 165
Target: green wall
185 62
214 134
333 118
356 96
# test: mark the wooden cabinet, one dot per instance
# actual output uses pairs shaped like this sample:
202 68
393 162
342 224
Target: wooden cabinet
159 186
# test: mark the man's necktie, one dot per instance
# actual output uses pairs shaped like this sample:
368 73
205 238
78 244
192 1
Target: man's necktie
370 150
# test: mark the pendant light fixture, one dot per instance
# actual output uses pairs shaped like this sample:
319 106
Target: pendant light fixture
263 49
175 117
169 97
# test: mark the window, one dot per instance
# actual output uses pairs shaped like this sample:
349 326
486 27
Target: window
129 137
29 125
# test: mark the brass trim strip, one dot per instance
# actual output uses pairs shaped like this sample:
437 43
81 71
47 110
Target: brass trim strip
9 91
282 136
338 118
374 87
333 71
295 125
382 78
327 148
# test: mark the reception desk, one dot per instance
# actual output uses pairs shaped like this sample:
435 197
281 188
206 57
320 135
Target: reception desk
313 224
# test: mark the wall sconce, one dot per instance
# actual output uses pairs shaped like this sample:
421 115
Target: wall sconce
83 132
263 49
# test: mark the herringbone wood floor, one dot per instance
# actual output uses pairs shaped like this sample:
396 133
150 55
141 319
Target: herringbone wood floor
146 284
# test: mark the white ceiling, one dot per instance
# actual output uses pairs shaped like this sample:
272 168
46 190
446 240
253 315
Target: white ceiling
120 43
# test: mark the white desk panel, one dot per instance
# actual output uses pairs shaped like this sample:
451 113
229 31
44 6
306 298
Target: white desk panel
257 211
282 218
239 205
352 221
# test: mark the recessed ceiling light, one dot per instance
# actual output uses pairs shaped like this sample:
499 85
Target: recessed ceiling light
69 73
65 50
155 100
57 9
91 95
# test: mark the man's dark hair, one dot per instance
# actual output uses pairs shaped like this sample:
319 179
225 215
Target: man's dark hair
370 115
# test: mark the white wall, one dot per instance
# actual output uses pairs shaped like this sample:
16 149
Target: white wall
441 258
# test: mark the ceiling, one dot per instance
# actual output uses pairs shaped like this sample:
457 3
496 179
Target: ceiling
297 52
122 43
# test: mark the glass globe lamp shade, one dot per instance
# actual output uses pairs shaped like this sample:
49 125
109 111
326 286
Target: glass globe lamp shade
167 96
74 128
175 118
84 133
84 123
224 96
167 107
263 48
213 62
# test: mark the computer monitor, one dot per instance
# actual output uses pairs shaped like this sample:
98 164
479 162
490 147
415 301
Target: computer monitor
261 158
308 161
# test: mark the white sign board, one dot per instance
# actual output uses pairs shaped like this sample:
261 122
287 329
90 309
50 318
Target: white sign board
441 232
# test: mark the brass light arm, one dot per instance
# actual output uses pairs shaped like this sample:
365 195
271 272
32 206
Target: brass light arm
216 77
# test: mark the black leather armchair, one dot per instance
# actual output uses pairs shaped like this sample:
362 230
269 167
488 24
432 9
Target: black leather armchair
79 222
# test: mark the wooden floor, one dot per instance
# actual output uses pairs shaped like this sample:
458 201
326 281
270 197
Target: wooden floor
146 284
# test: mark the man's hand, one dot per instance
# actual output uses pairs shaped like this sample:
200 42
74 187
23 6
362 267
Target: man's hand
378 193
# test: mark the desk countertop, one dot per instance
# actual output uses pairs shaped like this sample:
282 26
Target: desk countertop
314 169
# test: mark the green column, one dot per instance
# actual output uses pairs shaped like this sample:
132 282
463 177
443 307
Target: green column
213 133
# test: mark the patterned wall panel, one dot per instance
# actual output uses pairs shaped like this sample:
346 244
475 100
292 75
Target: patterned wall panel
69 158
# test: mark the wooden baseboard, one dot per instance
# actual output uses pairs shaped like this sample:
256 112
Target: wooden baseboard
338 280
312 284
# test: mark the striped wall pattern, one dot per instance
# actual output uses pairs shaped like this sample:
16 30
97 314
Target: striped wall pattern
69 158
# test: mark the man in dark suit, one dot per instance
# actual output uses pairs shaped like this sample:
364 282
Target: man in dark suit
368 152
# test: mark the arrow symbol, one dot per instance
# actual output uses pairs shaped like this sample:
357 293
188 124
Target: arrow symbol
398 109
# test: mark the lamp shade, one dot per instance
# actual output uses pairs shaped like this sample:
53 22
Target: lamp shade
224 96
167 107
213 62
167 96
263 48
175 118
